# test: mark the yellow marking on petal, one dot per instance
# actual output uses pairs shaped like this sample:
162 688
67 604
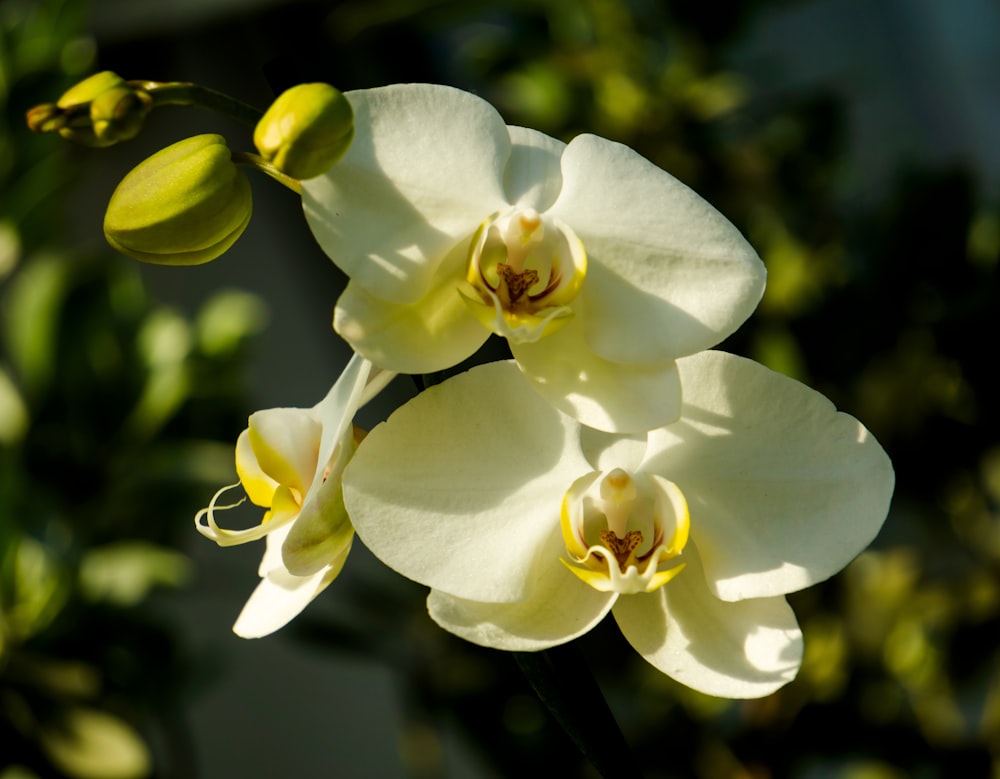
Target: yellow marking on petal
679 506
258 485
596 579
573 543
662 577
515 327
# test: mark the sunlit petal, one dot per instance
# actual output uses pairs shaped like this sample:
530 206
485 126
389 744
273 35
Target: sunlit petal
669 274
447 493
600 393
394 205
746 649
784 491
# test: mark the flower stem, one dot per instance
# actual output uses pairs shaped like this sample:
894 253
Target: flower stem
184 93
259 163
564 683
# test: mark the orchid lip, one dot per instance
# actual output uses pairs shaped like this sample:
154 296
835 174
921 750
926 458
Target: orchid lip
524 271
623 533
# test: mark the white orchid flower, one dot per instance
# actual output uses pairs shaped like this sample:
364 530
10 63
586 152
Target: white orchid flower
290 462
599 268
530 528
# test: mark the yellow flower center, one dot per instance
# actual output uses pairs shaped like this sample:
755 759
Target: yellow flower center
622 532
524 271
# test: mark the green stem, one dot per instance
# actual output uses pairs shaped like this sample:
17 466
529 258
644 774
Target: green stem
183 93
259 163
564 683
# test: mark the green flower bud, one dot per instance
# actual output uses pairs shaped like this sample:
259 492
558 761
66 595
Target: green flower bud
89 88
306 130
185 205
99 111
75 105
45 118
118 114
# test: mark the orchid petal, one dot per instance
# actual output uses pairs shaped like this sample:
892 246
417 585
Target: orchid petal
258 486
285 442
746 649
557 609
429 335
533 176
321 532
783 490
394 204
669 275
335 412
609 396
280 597
447 493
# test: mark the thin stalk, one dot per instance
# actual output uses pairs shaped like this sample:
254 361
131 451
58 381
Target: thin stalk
259 163
564 683
184 93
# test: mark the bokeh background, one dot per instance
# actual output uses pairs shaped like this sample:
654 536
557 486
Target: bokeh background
854 142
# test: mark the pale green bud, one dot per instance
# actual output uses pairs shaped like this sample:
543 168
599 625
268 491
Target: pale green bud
306 130
45 118
118 114
100 111
185 205
89 88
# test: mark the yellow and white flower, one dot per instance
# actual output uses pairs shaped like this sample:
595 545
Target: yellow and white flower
290 462
531 528
599 268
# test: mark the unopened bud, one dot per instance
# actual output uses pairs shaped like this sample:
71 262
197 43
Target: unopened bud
185 205
306 130
99 111
89 88
118 114
45 118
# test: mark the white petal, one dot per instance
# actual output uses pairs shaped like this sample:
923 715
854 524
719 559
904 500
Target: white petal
424 169
668 274
606 395
461 488
783 490
606 451
533 176
322 529
280 597
320 533
432 334
746 649
285 442
272 559
336 411
557 609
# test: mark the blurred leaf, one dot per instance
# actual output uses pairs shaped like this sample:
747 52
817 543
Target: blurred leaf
35 297
123 573
10 248
40 589
13 412
227 319
92 744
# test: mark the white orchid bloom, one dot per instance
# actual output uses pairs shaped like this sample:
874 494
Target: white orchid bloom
599 268
530 528
290 462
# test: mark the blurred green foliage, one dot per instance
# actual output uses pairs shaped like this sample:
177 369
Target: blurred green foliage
106 447
891 309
